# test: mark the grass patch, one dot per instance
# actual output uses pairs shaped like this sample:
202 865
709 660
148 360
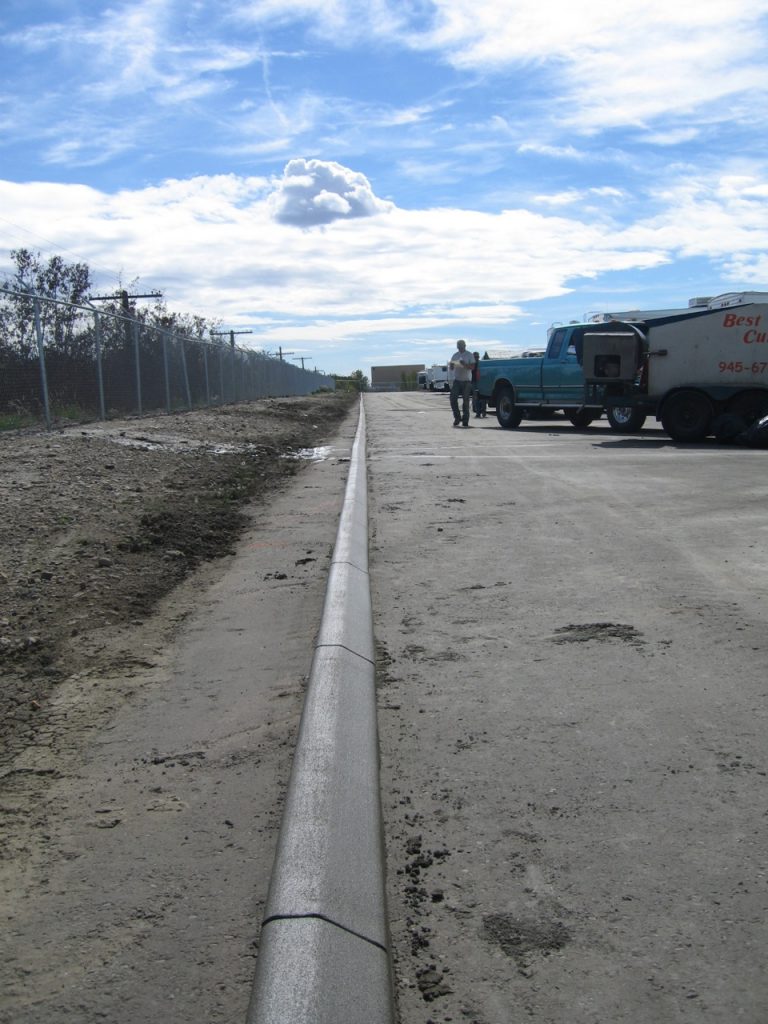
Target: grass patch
17 420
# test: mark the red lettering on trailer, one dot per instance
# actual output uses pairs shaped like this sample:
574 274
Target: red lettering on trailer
731 320
754 337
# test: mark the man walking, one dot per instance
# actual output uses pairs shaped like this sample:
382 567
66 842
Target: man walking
461 363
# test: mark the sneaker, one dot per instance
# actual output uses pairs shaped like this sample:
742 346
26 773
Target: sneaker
466 424
456 423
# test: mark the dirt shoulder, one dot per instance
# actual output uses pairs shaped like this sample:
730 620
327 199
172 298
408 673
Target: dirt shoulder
141 800
99 522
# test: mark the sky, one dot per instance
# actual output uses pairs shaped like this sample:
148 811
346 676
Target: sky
360 184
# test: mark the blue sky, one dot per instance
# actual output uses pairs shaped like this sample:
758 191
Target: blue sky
361 183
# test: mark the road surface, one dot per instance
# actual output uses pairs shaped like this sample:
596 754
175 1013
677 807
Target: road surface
573 678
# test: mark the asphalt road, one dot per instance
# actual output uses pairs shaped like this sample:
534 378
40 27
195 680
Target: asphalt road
572 691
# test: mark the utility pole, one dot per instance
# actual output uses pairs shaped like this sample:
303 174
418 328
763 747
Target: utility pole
124 305
124 296
301 360
222 334
217 334
281 353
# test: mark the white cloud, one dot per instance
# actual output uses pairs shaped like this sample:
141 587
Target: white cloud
560 198
342 22
572 196
133 48
314 192
748 269
558 152
673 136
649 59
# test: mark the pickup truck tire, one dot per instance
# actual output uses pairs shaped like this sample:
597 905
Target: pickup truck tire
687 415
507 413
581 419
625 419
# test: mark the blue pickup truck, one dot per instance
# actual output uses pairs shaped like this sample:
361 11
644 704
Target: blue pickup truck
524 388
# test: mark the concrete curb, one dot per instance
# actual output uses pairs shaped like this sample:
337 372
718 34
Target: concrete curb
324 952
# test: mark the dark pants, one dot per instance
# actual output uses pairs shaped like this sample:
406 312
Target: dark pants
463 388
478 402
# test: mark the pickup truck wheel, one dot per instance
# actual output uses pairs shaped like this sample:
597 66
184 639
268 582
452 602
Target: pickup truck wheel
687 416
507 413
625 419
581 419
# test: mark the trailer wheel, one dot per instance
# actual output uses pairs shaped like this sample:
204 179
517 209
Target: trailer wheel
581 419
625 419
687 415
750 405
507 413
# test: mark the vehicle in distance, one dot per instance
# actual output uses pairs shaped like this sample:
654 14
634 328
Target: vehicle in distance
438 377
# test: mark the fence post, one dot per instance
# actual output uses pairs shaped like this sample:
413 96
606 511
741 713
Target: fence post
99 372
221 375
137 364
180 341
164 335
207 380
41 360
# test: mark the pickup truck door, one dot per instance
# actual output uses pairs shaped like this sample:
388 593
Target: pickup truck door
562 378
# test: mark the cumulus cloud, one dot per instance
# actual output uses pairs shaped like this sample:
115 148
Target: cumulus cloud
314 192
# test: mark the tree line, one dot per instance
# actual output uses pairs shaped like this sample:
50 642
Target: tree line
135 348
69 328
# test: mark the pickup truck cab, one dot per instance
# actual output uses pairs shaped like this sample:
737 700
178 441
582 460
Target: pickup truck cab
525 387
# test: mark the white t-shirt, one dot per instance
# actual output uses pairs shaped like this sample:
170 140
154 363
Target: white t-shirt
463 363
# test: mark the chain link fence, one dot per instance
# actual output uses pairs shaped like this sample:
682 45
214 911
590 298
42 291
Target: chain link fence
60 361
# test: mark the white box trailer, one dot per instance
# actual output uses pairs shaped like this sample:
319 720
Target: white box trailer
685 367
439 377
